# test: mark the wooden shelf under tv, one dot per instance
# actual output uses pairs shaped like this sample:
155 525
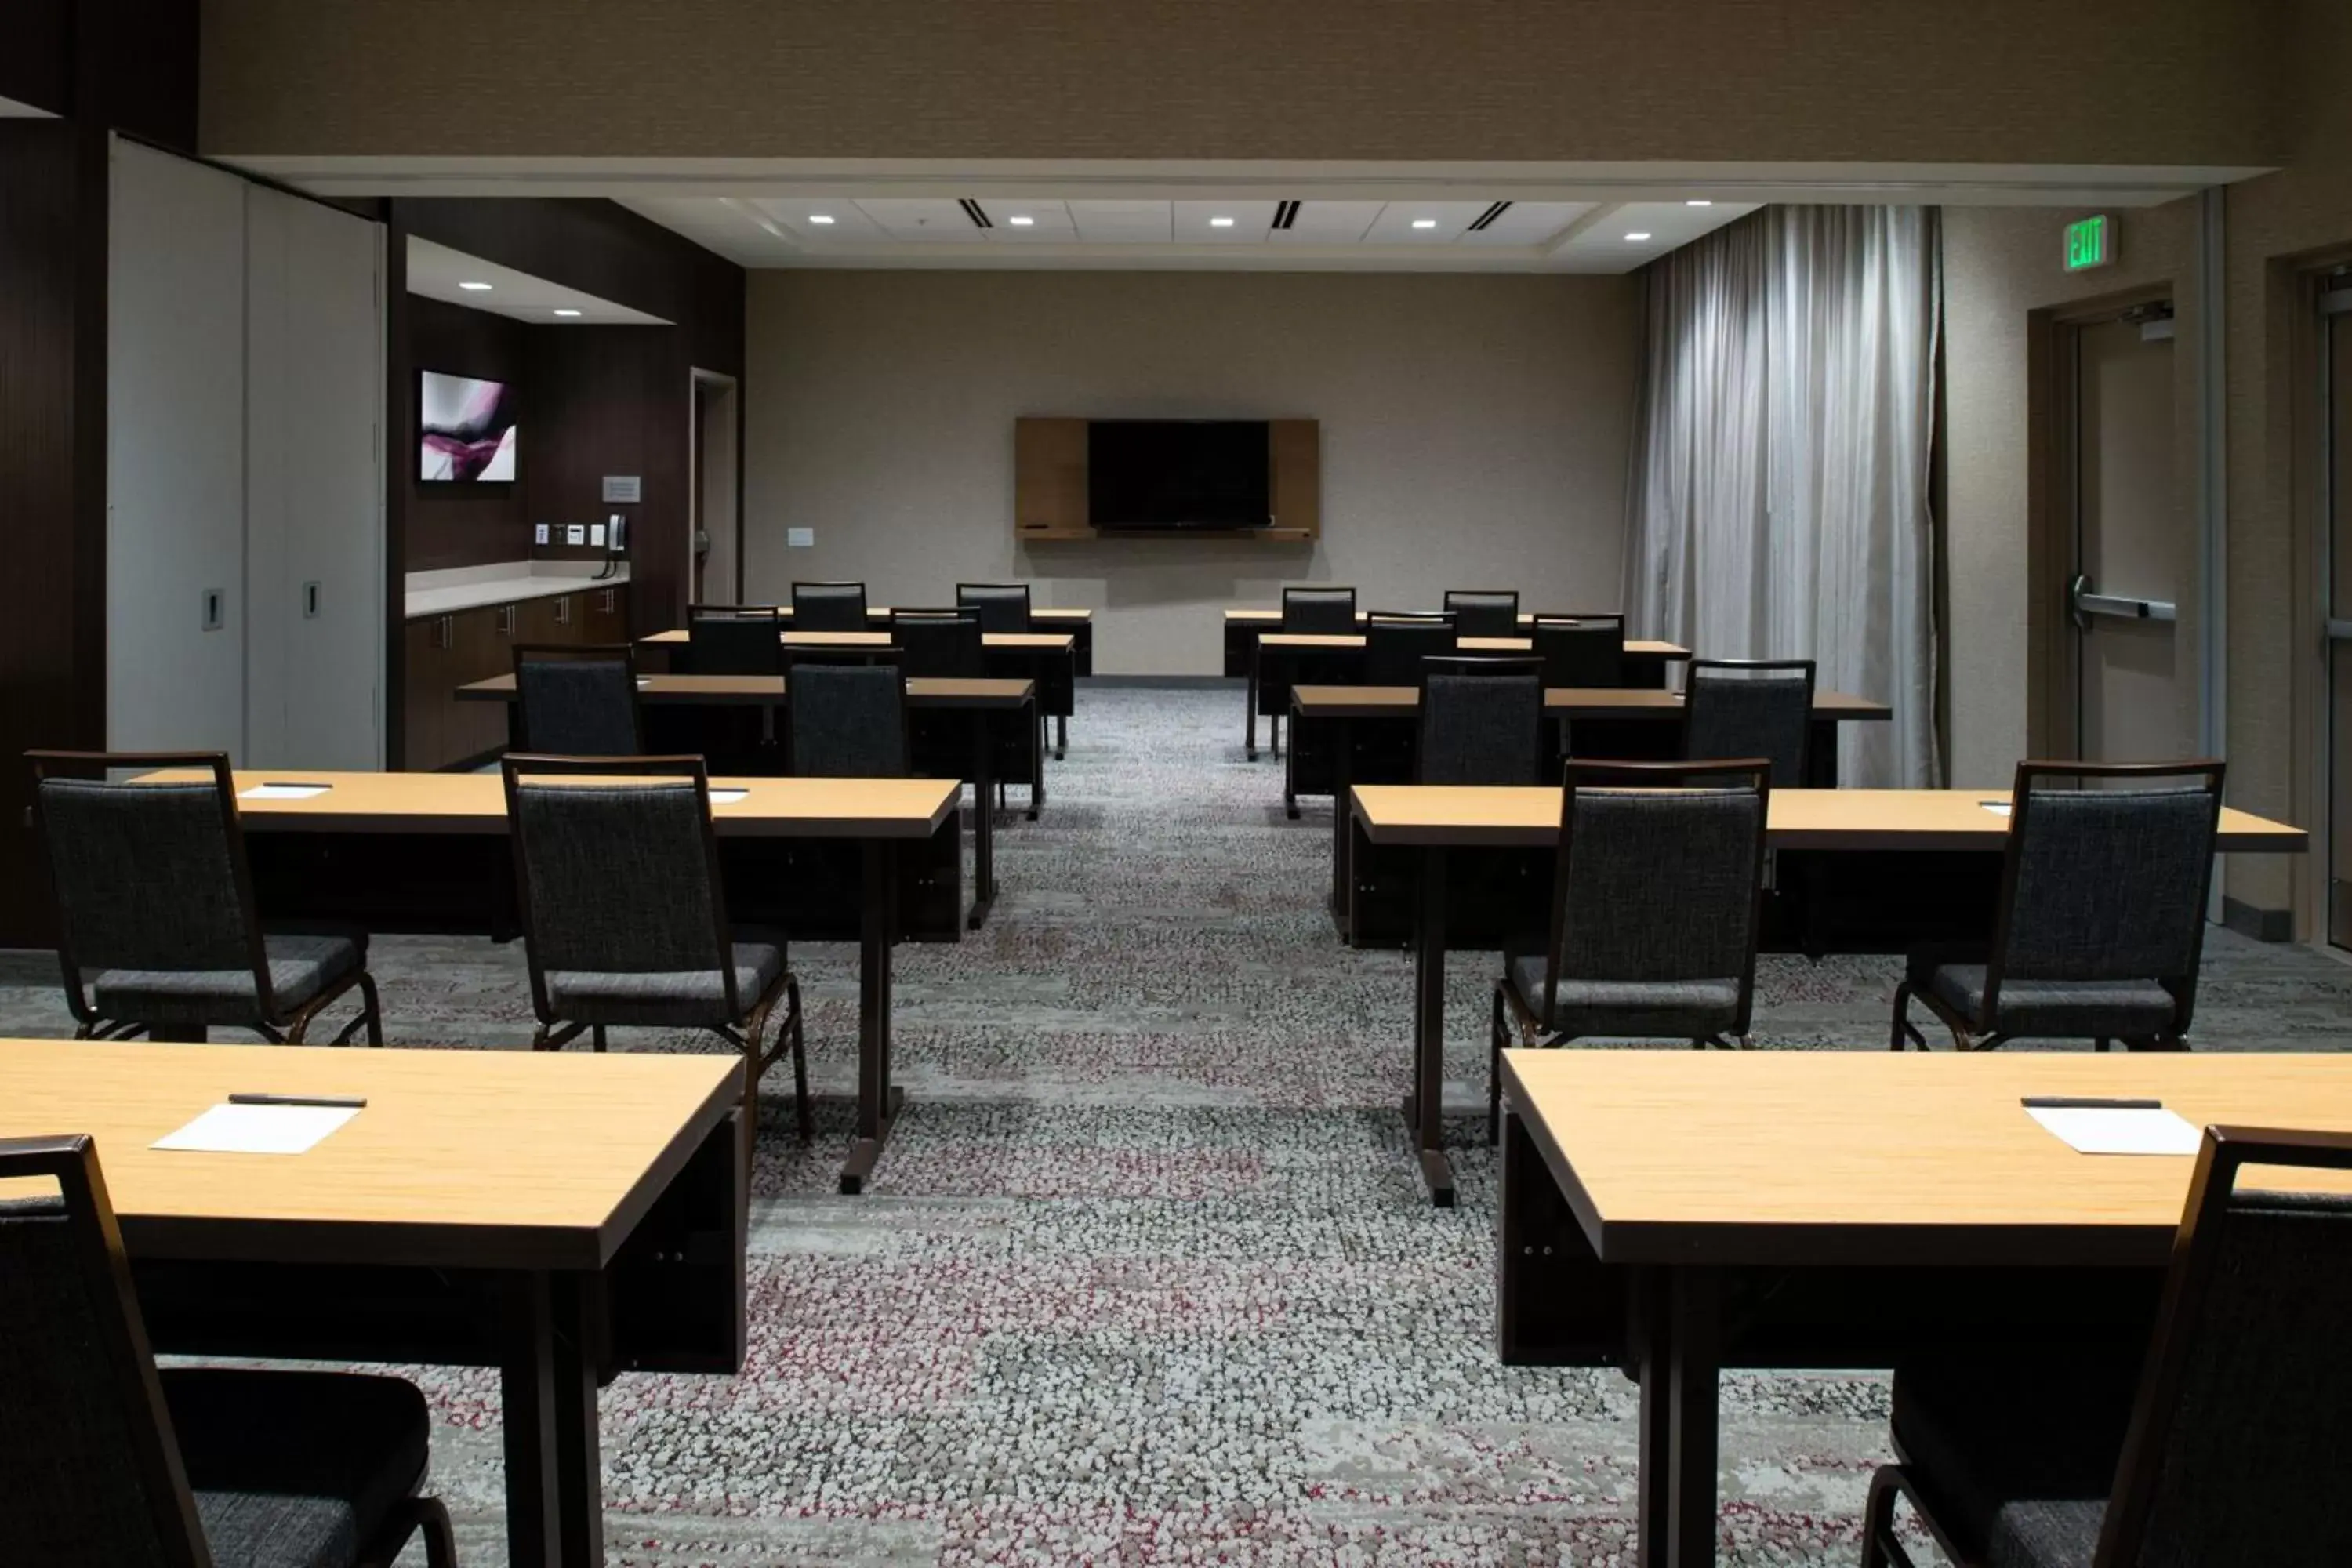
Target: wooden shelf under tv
1049 486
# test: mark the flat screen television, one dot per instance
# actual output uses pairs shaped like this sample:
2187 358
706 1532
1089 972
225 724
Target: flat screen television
468 428
1179 473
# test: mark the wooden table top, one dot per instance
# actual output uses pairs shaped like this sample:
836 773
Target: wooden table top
1033 642
1647 648
1036 613
476 803
1341 642
461 1158
754 690
1528 817
1833 1156
1573 701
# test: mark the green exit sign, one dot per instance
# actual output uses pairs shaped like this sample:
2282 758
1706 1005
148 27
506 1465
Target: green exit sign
2091 242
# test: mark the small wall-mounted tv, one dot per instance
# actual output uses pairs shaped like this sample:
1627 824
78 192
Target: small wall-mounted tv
468 428
1179 473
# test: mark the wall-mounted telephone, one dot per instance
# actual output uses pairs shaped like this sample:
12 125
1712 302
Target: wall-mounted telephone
616 534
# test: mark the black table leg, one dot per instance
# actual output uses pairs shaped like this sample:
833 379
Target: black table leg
1822 755
1036 760
1061 737
983 821
1682 1366
1249 709
1342 817
1429 1029
877 1101
1290 771
555 1469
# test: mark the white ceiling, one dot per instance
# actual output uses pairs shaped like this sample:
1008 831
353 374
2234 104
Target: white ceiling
1242 231
438 272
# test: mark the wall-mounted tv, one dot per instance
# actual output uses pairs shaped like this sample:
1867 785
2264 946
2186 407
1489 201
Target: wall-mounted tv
468 428
1179 473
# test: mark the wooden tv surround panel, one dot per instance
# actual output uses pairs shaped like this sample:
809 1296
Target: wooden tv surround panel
1049 485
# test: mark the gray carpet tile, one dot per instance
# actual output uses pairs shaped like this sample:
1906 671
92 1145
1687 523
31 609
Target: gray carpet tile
1146 1276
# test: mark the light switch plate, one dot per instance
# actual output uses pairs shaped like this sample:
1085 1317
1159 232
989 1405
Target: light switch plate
800 538
574 533
596 534
539 533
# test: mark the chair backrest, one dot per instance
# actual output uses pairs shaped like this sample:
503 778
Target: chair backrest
146 876
942 644
616 868
578 701
2235 1450
848 720
1481 720
2108 884
1394 645
1485 612
1580 651
1002 606
734 639
1751 707
1660 876
1319 612
829 607
89 1471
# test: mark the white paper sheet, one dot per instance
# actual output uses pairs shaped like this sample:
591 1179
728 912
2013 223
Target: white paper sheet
283 790
1998 808
2107 1131
257 1128
729 796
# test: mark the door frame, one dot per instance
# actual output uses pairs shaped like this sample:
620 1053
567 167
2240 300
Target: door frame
2303 285
698 378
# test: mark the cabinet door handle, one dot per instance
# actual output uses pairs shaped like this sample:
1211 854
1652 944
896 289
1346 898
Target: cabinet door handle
563 611
448 634
506 620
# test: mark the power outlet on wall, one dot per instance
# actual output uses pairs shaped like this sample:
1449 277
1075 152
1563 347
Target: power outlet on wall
596 534
539 533
800 538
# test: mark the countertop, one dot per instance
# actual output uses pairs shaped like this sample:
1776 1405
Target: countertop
470 588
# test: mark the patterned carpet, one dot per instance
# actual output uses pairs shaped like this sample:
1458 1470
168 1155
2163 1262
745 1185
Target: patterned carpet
1147 1277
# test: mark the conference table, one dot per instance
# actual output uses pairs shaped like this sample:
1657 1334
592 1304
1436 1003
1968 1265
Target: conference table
1078 623
1049 658
1626 723
1674 1213
810 860
691 697
561 1218
1912 829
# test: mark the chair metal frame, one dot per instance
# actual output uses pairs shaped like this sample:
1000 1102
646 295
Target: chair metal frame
579 653
278 1026
71 1161
864 610
2187 1285
1977 1034
744 1034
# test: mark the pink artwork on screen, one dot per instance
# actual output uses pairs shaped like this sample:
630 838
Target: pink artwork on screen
468 428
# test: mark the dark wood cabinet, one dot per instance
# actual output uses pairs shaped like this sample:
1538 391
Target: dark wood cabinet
445 652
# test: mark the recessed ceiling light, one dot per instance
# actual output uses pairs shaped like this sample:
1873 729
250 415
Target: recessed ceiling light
1425 223
1021 220
561 311
1221 223
1698 204
820 217
1638 236
475 288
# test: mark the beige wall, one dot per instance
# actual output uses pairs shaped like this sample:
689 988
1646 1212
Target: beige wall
2090 81
1474 433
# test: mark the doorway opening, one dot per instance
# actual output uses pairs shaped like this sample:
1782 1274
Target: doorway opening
715 543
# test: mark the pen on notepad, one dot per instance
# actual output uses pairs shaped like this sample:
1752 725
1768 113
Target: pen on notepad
333 1101
2071 1102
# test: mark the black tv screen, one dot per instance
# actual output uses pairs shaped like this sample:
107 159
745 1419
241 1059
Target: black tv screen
1177 473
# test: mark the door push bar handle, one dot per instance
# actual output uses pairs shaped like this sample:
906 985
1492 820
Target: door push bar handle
2082 604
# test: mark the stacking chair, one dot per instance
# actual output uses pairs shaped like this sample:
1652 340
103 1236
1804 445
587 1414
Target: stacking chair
1002 606
2229 1451
848 720
579 701
1481 721
1751 707
1395 644
2102 922
1585 652
734 639
113 1461
624 913
1656 902
1319 612
939 644
829 607
157 929
1484 612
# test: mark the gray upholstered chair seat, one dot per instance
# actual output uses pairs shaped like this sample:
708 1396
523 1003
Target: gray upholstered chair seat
2058 1533
1656 1009
690 999
296 1470
2060 1009
300 967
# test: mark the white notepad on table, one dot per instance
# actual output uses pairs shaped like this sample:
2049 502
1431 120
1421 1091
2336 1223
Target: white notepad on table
257 1128
2118 1129
283 790
729 796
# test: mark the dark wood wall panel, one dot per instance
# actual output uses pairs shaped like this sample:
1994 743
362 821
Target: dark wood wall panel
468 525
618 401
36 54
